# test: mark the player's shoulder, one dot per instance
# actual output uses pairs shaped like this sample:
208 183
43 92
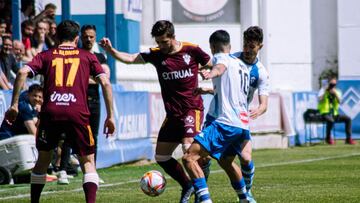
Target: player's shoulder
189 44
237 54
154 49
261 68
221 57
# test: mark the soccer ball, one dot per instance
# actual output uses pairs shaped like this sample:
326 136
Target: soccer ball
153 183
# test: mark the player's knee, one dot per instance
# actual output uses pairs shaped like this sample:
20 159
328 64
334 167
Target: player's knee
162 158
245 158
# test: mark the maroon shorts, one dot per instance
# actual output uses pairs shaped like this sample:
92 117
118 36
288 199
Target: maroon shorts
174 129
79 137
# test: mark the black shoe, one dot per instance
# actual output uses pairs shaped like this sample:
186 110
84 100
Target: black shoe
186 194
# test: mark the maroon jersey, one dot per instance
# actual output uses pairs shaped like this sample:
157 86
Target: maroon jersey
66 72
178 78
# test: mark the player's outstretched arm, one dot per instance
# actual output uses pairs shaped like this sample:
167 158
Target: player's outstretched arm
105 43
216 71
261 109
12 112
109 125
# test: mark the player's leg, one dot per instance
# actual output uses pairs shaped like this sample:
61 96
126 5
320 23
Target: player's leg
82 142
205 162
170 136
190 160
247 167
38 175
247 164
163 156
234 173
46 140
91 178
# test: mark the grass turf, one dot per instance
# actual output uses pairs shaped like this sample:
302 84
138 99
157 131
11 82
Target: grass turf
318 174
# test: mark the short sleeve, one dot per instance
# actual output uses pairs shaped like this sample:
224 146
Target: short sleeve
201 57
36 64
96 68
264 86
148 56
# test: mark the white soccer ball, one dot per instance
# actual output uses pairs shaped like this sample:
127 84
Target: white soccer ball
153 183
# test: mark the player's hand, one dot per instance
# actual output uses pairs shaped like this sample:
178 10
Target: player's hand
254 113
109 126
11 114
205 74
203 90
105 43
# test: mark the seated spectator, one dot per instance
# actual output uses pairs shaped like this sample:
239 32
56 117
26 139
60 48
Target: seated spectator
329 103
27 31
7 59
19 52
27 119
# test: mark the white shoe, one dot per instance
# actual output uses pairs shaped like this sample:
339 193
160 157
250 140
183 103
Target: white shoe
62 178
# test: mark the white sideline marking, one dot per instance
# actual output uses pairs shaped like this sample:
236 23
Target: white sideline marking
215 171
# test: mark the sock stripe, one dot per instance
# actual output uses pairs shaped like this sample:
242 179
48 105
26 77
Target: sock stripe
202 192
38 178
91 177
248 172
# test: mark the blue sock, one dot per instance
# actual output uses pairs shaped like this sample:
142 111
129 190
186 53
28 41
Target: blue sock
240 188
201 189
248 174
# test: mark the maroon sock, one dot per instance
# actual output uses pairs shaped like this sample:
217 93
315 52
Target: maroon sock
36 190
90 189
176 171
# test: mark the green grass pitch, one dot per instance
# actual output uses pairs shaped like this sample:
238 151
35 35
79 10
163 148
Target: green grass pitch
318 174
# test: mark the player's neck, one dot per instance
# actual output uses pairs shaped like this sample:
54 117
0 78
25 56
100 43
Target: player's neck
177 47
67 44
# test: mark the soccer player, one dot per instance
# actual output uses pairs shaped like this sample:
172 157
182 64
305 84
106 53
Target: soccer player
66 71
227 135
177 65
259 79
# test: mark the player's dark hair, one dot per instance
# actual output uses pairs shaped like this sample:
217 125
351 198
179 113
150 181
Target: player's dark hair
219 37
67 30
35 88
162 27
254 33
88 27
